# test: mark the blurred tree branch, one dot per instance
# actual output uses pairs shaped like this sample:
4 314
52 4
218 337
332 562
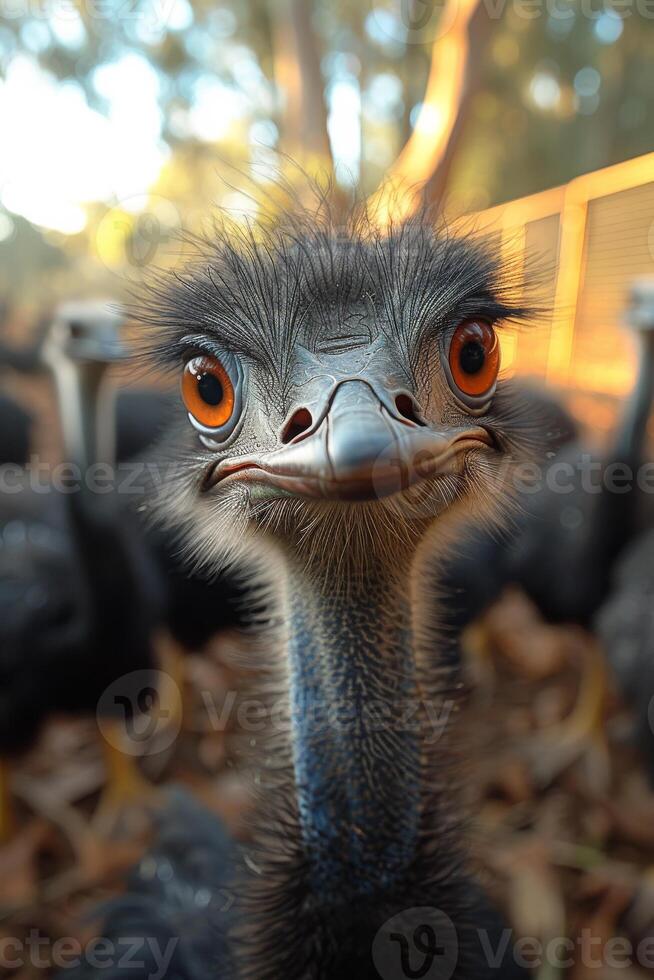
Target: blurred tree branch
423 165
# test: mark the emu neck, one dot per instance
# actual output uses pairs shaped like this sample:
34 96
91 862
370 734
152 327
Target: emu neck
630 437
615 514
104 564
357 761
87 418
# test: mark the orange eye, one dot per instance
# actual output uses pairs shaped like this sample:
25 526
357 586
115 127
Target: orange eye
207 391
474 357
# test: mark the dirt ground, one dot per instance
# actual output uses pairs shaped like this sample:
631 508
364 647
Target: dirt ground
563 817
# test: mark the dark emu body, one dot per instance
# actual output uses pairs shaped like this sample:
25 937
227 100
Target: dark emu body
353 459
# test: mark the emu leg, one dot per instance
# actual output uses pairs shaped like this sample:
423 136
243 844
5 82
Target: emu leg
581 735
171 688
7 810
127 795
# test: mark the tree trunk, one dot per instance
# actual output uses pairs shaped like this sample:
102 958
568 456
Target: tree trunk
422 167
299 79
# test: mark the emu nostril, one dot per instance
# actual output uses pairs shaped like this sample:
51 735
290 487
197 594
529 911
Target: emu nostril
298 423
406 407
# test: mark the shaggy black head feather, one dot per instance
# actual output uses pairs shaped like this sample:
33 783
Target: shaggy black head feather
261 290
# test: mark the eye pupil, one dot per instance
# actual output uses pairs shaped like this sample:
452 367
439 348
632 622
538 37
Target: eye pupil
472 357
210 389
208 392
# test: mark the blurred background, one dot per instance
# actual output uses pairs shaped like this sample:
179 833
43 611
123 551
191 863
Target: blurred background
124 123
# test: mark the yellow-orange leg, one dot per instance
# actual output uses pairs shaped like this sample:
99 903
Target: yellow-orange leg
587 716
127 793
582 732
477 654
8 821
171 688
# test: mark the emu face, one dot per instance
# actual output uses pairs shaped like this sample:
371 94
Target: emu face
325 372
359 427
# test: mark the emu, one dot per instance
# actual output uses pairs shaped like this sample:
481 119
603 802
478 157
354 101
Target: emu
89 595
343 421
80 599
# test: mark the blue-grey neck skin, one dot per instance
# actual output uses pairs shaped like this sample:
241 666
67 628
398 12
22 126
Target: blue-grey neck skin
357 763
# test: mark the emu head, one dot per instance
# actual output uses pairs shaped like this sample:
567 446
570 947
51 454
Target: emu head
336 383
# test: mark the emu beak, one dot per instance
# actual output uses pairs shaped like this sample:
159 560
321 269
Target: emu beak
359 450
